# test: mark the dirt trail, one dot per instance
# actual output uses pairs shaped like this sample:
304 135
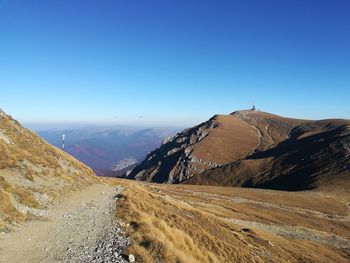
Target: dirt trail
72 232
259 135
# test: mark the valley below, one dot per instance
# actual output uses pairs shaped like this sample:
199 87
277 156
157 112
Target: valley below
110 150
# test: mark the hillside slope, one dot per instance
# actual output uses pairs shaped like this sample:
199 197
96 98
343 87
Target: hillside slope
33 174
197 223
253 149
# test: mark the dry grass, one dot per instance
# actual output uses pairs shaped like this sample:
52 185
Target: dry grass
215 148
5 186
8 212
155 238
26 197
27 146
180 223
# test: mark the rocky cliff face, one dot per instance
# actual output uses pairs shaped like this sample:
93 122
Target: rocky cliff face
174 162
251 148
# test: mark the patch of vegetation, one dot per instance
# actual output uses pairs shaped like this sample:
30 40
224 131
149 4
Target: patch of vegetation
8 212
29 175
5 185
26 197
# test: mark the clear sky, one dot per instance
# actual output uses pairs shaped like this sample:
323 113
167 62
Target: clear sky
173 62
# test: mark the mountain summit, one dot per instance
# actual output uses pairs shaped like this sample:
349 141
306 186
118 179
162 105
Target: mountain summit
254 149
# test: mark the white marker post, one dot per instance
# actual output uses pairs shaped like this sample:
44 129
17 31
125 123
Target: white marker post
63 137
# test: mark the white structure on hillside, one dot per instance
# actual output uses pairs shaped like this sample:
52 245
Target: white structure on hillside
63 137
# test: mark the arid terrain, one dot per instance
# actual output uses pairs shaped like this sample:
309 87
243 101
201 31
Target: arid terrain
184 223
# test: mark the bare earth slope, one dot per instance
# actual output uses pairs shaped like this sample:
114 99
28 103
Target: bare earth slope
255 149
33 174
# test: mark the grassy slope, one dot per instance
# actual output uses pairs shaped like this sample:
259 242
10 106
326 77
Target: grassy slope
33 173
215 147
183 223
318 159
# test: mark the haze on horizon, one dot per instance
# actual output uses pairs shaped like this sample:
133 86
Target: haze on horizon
172 63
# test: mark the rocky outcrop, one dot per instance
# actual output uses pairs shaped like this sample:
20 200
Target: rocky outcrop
174 161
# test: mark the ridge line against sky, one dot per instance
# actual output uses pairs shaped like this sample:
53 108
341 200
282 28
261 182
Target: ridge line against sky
173 63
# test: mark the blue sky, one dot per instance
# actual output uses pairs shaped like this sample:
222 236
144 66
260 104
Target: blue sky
173 63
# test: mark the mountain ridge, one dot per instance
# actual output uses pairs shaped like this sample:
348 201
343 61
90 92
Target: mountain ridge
197 154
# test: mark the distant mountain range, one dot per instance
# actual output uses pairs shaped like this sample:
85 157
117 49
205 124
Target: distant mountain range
254 149
109 151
